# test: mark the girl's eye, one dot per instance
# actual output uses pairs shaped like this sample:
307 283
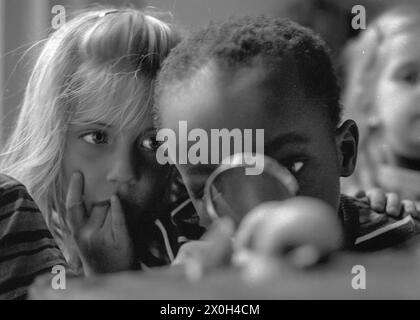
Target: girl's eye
150 144
408 75
96 137
411 77
295 167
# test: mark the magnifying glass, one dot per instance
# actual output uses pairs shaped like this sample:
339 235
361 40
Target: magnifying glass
230 191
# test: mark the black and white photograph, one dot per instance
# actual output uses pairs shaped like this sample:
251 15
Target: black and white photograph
209 155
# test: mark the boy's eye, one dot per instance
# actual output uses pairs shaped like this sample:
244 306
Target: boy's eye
96 137
150 143
295 167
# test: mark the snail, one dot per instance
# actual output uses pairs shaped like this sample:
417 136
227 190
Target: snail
297 232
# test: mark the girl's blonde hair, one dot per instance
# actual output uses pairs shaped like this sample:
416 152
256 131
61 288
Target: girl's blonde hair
363 62
96 58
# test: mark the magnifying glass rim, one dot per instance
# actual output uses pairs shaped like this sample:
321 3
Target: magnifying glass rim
279 172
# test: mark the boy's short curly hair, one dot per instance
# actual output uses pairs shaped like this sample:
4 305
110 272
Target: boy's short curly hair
237 42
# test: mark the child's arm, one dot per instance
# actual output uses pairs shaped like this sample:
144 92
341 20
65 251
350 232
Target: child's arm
101 236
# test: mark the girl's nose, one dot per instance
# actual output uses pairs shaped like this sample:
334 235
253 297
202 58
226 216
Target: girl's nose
122 168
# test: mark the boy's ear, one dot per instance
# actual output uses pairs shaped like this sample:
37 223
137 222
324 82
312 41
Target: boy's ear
347 139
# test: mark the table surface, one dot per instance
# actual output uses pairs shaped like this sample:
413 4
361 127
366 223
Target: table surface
390 274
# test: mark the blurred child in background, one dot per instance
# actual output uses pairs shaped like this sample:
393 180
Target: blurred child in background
382 93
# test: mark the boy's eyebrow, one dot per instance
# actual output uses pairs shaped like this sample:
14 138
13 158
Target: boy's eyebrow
281 140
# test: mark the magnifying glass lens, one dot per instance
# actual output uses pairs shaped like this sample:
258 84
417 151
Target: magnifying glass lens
231 192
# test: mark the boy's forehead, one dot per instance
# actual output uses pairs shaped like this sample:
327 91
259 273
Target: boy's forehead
251 98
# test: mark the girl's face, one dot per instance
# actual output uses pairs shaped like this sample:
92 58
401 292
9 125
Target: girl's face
397 98
115 161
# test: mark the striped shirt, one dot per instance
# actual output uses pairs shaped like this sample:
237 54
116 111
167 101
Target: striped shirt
27 248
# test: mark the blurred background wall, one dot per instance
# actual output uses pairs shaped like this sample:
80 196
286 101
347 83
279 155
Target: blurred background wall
23 23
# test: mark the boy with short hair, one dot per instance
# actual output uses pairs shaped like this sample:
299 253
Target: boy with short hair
261 72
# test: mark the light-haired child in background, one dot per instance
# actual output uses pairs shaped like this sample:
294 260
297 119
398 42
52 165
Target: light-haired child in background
382 93
84 143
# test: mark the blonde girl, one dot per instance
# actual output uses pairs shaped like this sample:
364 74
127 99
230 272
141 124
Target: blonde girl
84 135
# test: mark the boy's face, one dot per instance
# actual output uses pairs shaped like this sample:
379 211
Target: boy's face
295 130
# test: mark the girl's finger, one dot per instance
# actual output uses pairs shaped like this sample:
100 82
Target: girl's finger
417 203
360 194
411 208
74 202
393 205
97 217
377 199
119 227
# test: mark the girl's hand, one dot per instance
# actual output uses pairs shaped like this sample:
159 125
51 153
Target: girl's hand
389 203
101 236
